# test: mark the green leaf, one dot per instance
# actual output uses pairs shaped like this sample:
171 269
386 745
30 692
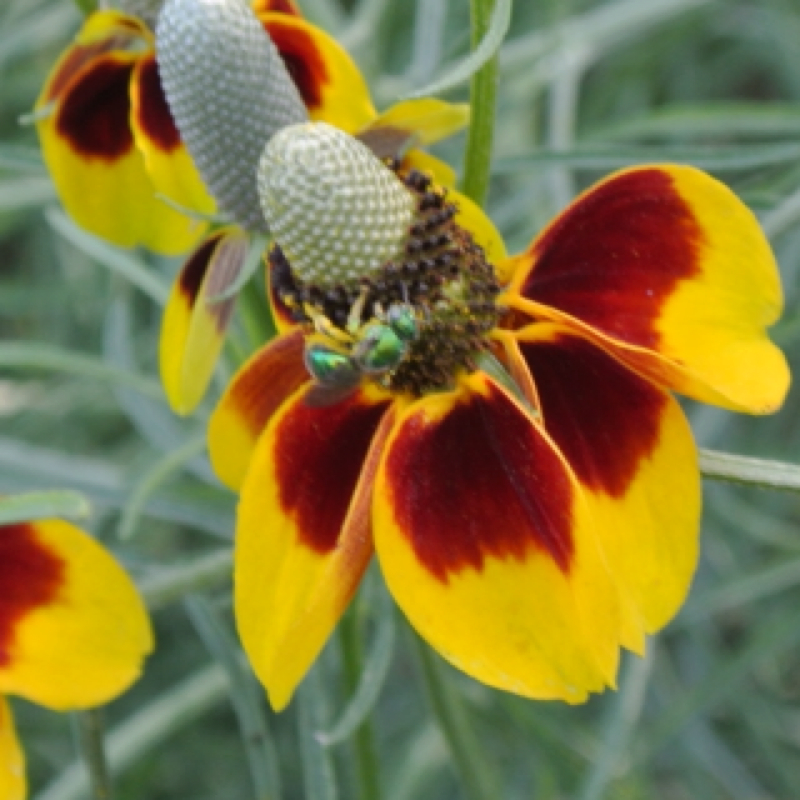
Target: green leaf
373 677
31 355
467 67
43 505
604 158
751 471
114 259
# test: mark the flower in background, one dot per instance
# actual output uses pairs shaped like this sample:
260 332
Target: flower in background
73 629
226 109
110 143
500 430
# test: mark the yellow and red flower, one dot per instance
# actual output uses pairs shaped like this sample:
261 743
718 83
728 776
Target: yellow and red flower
110 143
73 630
332 90
528 528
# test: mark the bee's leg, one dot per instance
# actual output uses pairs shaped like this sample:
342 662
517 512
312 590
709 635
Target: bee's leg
324 326
356 310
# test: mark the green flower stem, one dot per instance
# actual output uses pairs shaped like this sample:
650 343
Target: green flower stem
364 741
483 88
152 727
750 471
255 315
91 733
477 782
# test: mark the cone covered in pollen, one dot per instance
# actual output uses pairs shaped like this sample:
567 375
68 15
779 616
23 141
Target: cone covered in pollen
338 213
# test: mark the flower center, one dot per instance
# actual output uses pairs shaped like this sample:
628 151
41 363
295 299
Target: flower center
440 287
371 259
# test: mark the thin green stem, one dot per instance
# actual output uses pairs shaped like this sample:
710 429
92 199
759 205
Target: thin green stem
364 740
483 88
477 781
91 731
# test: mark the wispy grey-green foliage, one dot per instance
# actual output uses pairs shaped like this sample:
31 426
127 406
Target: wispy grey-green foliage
585 86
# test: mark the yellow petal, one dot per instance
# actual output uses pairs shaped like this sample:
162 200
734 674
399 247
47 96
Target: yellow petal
631 450
12 762
193 329
166 158
328 80
487 545
262 385
665 267
73 630
471 217
83 120
428 119
303 535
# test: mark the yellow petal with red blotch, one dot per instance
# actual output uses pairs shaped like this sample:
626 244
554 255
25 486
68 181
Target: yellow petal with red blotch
275 6
631 449
328 80
12 761
667 268
303 535
166 158
193 328
83 120
262 385
487 544
73 629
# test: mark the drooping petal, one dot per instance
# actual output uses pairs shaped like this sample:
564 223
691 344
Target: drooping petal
168 163
257 391
328 80
83 120
12 761
486 543
667 268
303 535
631 449
73 629
193 328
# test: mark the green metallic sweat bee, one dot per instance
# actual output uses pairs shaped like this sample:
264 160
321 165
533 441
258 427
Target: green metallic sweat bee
339 360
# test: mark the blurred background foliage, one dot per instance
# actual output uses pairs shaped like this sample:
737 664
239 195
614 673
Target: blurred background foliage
586 86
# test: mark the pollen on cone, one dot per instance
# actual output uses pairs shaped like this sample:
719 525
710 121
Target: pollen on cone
338 213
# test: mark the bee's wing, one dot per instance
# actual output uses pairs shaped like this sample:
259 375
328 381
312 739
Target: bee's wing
321 396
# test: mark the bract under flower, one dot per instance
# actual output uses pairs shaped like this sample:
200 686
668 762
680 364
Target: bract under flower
110 144
527 530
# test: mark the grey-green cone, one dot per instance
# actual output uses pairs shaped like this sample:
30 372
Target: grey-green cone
336 211
228 91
